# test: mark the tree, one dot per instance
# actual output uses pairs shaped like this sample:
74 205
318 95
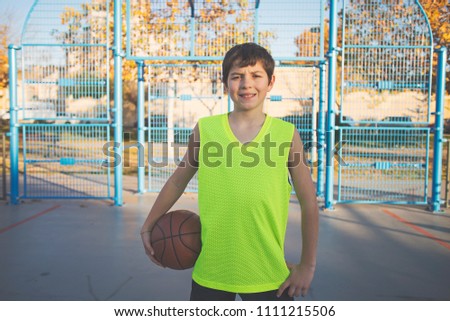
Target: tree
7 36
163 28
4 79
308 42
384 23
438 13
84 69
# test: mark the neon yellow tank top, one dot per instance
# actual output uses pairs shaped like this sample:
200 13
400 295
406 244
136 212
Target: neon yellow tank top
243 197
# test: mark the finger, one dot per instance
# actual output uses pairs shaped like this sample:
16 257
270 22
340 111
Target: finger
147 243
293 291
154 260
149 249
150 253
290 265
152 257
304 291
283 287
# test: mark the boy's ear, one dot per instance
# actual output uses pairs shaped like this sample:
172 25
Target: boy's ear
225 89
271 82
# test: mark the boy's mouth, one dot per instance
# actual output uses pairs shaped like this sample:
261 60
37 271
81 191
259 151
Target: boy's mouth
247 95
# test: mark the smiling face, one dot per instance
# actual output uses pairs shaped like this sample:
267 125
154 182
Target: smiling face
248 86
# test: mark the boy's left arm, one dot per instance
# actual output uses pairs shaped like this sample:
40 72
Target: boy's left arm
301 275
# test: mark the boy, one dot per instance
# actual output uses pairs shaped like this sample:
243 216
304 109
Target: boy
244 159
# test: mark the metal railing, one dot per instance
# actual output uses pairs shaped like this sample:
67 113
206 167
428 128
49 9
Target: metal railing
4 166
447 178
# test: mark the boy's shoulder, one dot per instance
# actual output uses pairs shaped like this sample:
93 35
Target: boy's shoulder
281 122
212 118
211 122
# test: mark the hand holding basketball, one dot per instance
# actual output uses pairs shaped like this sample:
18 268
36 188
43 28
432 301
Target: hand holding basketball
145 236
174 240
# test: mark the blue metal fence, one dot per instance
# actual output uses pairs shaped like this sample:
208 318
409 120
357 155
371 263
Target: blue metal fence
62 110
368 115
384 109
203 30
381 165
387 50
65 161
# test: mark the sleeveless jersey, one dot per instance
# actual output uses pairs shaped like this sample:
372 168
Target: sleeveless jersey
243 193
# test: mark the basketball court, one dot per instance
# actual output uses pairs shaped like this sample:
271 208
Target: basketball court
362 96
91 250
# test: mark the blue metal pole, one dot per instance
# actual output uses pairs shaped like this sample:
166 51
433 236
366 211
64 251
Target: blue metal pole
331 112
118 101
192 26
140 124
321 132
192 45
13 125
322 26
256 31
438 131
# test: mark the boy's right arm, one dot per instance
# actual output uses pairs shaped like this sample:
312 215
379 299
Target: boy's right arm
172 190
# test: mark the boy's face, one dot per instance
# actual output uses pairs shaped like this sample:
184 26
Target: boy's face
248 86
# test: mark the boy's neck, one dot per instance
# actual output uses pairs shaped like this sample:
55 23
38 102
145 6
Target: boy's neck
246 125
250 116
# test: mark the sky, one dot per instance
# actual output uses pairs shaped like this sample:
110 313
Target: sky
14 12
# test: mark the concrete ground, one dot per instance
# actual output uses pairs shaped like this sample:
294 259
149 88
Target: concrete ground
91 250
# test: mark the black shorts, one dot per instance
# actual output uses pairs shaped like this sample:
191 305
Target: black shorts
201 293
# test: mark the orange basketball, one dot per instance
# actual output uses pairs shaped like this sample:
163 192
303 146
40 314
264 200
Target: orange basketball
175 239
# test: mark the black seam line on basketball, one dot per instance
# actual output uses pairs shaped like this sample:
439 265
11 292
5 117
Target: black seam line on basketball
183 222
176 235
180 238
190 233
187 245
173 245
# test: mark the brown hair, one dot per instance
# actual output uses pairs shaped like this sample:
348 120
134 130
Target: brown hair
247 54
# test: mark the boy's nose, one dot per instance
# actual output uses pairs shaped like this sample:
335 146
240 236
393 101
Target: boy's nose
245 82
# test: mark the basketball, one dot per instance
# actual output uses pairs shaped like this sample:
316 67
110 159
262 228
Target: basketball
175 239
